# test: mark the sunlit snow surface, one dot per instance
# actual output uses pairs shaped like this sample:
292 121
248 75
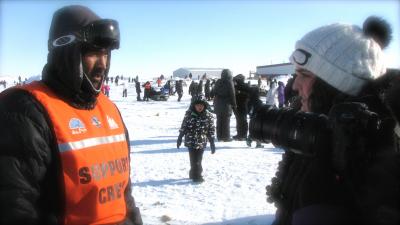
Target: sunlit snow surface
235 176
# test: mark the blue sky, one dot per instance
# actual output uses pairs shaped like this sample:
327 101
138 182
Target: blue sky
158 37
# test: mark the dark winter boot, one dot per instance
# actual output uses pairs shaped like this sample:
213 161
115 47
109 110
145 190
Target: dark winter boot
198 179
238 138
259 145
248 142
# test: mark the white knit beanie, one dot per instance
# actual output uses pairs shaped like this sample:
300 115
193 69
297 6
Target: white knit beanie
341 55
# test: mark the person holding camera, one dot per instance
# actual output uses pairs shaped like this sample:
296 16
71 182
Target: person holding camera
197 126
341 163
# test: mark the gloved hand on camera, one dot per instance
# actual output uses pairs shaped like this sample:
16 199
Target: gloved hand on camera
179 141
352 124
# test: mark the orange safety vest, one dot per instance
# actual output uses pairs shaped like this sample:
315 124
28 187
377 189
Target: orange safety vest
94 156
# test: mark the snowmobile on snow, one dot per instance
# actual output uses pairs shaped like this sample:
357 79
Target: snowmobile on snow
159 93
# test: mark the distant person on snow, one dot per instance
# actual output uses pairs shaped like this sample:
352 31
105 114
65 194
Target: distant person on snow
65 156
193 87
124 90
138 90
242 91
281 94
207 90
105 89
272 94
197 127
147 90
179 89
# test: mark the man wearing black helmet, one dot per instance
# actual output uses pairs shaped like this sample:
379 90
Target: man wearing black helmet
64 148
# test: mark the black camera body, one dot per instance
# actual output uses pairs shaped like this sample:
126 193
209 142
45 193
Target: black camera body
307 133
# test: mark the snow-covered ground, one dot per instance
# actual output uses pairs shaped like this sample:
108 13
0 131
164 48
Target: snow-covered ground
235 176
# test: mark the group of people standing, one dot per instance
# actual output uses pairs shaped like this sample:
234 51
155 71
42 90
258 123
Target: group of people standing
200 89
147 86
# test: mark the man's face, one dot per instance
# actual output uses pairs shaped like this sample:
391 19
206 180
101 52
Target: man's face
303 84
199 107
95 65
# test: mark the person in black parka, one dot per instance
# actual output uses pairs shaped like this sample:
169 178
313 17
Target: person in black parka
55 131
207 90
197 127
242 98
193 89
224 104
200 88
138 90
179 89
253 104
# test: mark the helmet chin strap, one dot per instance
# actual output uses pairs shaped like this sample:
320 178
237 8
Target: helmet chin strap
96 91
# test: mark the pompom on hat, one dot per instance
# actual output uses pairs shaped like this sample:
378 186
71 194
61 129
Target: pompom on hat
342 55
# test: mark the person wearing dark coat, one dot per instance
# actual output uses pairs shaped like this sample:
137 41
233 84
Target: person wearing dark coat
212 89
207 90
200 88
242 98
253 104
179 89
281 94
197 127
193 89
167 86
138 90
352 177
224 104
55 131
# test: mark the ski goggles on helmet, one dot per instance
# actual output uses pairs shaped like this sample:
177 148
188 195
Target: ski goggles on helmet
102 33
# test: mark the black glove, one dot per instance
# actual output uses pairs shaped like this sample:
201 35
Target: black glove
391 97
137 218
212 145
179 141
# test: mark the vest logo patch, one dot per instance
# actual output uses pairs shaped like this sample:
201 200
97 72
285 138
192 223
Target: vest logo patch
111 123
76 126
96 122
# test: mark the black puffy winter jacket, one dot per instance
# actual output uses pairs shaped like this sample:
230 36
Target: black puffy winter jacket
31 184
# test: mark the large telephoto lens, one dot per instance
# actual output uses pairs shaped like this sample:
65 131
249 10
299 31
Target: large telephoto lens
300 132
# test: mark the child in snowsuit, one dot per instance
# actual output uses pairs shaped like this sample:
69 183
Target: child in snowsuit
197 127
